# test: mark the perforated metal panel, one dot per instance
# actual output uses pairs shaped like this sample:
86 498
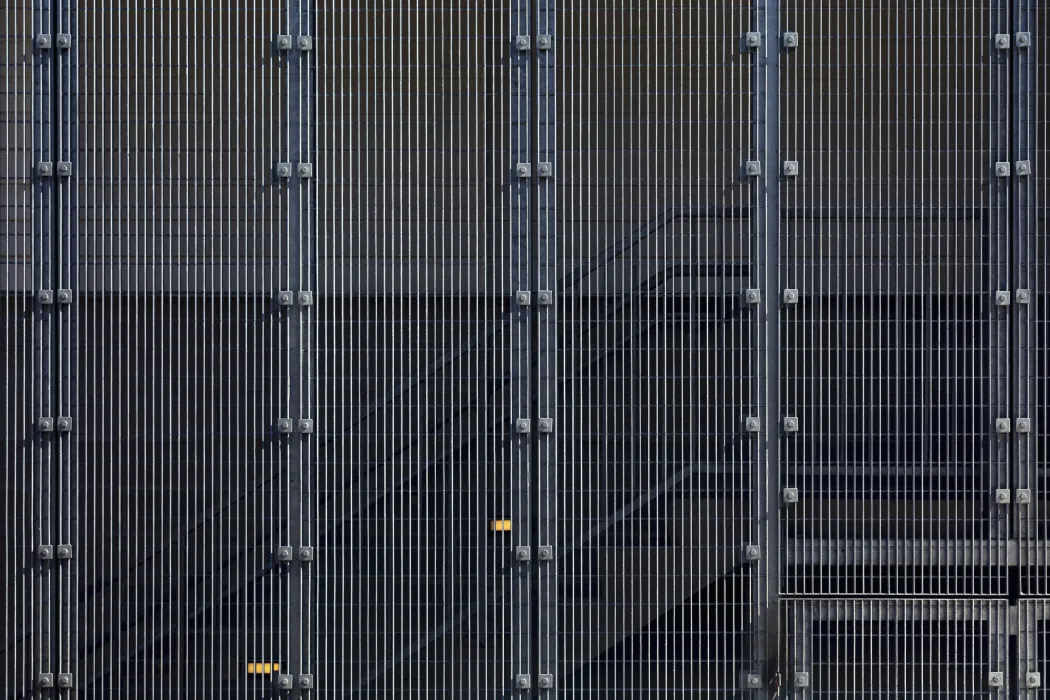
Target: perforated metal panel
895 234
895 649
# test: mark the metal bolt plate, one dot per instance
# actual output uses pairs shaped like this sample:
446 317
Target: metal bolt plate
42 41
305 681
1002 169
1023 168
305 425
305 170
546 425
790 296
64 168
545 169
284 298
282 171
1002 298
306 298
522 425
1002 496
283 682
522 42
789 40
522 553
306 554
1023 39
283 42
45 552
545 297
64 552
1002 425
283 554
790 495
544 42
45 680
64 680
1024 425
1002 41
63 41
1033 679
44 296
790 424
752 680
44 168
790 168
752 296
523 298
63 424
545 681
64 296
752 424
284 426
1024 496
996 679
801 679
523 169
752 552
545 553
45 424
1023 296
305 43
522 681
753 168
752 40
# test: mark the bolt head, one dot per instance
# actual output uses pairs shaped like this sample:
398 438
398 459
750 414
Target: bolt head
64 551
1002 298
521 680
305 43
1023 39
44 551
1023 167
306 553
306 681
284 682
63 423
752 40
43 41
521 42
801 680
1002 169
1033 679
544 41
523 169
790 40
63 295
1023 496
306 170
1002 496
65 680
995 679
752 424
546 681
522 425
1002 41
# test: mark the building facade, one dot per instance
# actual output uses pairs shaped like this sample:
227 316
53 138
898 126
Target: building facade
524 349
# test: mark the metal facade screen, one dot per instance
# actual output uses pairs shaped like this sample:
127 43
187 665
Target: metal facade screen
524 349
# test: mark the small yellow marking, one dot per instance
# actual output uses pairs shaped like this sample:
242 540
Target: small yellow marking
263 667
499 525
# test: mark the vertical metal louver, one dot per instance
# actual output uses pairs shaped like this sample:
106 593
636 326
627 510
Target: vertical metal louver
1032 318
179 482
868 649
422 350
895 235
653 247
26 327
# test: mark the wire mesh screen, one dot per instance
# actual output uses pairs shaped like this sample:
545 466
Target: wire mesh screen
420 351
868 649
1033 319
181 361
653 345
26 487
895 236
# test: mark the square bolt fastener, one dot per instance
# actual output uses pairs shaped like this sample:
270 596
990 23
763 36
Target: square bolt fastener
790 168
790 296
996 679
1002 169
1002 425
522 42
752 40
284 426
789 40
522 425
1002 41
1002 496
1023 40
790 424
752 168
305 43
752 424
790 495
283 553
283 42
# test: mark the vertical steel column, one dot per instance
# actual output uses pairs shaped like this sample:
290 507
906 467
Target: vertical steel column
766 500
305 211
521 403
546 273
44 615
65 148
297 186
1023 131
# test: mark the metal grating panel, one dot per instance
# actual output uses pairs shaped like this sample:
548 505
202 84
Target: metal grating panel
933 649
421 351
1033 649
179 485
1033 274
26 488
895 234
651 472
